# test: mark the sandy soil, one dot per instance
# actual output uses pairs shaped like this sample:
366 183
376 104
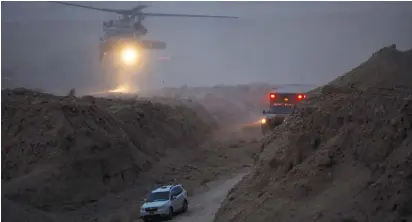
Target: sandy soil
216 161
345 155
207 200
94 159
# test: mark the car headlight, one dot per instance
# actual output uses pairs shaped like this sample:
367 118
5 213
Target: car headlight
130 55
263 121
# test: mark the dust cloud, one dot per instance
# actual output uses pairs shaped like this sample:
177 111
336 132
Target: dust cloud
55 48
192 97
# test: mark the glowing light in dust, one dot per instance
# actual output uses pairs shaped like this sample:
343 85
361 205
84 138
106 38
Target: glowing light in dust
119 90
123 89
263 121
129 56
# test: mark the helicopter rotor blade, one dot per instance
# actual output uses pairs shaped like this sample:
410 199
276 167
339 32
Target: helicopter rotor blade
119 11
184 15
138 8
136 11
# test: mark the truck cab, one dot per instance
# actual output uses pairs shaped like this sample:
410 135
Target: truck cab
281 105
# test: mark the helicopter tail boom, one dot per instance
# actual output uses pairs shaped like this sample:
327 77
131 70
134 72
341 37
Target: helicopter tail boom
149 44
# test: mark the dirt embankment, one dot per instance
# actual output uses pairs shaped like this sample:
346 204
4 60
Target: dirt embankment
93 159
60 153
345 155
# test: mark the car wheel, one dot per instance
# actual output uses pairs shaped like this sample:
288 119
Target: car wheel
170 215
185 206
145 219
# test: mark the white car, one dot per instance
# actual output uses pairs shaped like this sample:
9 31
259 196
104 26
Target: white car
164 201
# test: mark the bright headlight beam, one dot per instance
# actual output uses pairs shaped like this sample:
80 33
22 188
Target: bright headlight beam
129 55
263 121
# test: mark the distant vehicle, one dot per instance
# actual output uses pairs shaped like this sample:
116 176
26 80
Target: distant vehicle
281 105
164 201
123 36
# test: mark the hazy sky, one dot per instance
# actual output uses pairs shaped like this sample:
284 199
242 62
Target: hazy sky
277 42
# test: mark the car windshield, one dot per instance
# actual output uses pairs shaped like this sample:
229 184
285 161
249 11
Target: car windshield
158 196
281 109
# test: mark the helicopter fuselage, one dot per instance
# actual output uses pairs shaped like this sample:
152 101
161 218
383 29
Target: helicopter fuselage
114 43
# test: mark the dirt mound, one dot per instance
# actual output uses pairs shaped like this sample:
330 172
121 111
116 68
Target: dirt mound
345 155
17 212
59 153
200 109
387 68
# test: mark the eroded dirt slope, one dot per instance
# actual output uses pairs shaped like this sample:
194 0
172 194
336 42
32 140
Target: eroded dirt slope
94 159
62 152
345 155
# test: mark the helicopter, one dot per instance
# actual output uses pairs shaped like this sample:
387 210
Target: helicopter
123 36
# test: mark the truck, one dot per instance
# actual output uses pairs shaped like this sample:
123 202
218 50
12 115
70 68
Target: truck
281 105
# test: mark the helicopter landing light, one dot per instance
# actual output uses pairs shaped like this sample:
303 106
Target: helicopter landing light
130 56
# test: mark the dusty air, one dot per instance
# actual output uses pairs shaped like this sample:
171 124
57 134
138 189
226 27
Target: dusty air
254 112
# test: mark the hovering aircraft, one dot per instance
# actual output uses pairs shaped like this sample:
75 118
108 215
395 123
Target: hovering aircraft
123 36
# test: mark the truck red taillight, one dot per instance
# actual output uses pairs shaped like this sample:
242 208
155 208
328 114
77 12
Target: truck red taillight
272 96
301 96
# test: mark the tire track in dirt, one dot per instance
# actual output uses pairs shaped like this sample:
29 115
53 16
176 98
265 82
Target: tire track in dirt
204 206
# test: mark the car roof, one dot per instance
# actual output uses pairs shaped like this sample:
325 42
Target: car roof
165 188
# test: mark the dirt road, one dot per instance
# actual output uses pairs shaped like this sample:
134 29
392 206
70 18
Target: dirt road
204 205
